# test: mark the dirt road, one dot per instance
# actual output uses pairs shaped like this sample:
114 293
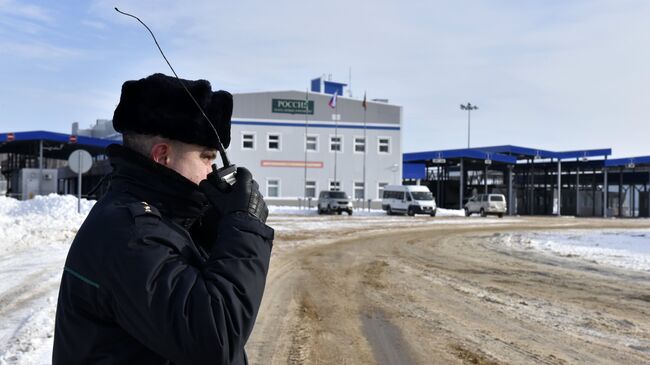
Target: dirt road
448 294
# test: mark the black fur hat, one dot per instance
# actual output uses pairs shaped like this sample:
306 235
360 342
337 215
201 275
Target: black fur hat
158 105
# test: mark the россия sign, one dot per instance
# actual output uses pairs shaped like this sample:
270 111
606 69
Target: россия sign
292 106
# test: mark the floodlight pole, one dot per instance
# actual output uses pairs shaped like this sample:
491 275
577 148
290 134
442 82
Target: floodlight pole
469 107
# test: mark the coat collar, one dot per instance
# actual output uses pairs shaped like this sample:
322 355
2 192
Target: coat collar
174 195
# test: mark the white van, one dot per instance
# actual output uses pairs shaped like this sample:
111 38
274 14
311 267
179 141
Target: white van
408 199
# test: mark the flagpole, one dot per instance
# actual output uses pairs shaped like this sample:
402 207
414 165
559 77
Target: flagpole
333 104
365 150
305 143
336 136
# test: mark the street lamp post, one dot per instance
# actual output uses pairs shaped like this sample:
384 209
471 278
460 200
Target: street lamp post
469 107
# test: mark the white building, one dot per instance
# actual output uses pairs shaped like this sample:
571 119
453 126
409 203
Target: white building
295 144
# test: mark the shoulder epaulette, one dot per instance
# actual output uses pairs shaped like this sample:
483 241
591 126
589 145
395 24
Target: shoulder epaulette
142 209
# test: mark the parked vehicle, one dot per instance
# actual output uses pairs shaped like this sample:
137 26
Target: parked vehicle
485 204
408 199
331 201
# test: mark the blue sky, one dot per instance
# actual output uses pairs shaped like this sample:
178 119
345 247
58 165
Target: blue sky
548 74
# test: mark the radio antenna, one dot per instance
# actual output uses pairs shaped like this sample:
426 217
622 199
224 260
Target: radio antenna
222 151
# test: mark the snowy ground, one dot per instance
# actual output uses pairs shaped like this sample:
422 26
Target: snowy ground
627 249
34 240
35 236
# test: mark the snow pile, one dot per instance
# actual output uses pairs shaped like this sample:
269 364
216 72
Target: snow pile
34 239
442 212
42 220
628 249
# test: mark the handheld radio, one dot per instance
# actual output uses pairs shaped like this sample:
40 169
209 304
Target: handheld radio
227 173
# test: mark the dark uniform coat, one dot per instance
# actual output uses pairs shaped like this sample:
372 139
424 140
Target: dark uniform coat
153 277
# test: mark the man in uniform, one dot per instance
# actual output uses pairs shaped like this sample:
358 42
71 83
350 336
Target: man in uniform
169 267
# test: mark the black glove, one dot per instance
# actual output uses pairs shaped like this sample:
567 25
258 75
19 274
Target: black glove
243 196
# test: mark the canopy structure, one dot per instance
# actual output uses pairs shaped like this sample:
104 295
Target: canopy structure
54 145
535 181
48 152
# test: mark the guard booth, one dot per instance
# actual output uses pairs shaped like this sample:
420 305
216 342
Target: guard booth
35 163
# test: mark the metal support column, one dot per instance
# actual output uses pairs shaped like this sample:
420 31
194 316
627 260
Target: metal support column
545 190
620 192
461 186
438 198
485 183
530 191
559 187
593 193
605 191
578 188
632 195
510 201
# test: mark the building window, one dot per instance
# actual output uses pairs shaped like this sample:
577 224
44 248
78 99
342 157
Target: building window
248 141
335 185
274 142
273 188
359 192
336 144
311 143
380 189
383 145
359 144
310 189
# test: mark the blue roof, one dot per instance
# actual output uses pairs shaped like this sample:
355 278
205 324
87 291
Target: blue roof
414 171
604 152
641 160
59 137
423 157
518 151
506 154
526 152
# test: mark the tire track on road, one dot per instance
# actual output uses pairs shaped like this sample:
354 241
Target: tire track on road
33 287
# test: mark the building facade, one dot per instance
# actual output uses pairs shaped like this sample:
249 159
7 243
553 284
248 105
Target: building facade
296 144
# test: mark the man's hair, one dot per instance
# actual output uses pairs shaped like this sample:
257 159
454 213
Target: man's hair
143 143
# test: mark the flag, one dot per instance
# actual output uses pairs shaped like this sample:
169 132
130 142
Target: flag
332 102
364 104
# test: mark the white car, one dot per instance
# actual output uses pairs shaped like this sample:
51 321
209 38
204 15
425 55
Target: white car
485 204
408 199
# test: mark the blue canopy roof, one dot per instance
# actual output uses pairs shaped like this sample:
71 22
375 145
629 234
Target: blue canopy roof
519 152
55 145
622 162
506 154
423 157
58 137
414 171
526 152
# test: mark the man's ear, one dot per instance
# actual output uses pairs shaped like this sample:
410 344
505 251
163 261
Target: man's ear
160 153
